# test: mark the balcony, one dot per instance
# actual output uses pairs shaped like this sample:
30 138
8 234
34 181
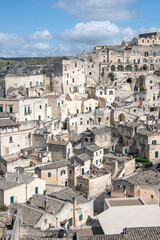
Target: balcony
28 113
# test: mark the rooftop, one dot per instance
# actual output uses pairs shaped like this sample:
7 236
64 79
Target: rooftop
38 201
68 194
56 164
145 177
93 147
115 219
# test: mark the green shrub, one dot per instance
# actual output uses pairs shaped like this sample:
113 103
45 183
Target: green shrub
78 188
3 208
143 160
146 164
153 109
142 89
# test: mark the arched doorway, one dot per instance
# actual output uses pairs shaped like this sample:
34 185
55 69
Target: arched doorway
135 68
129 68
113 68
122 118
120 68
152 67
129 80
145 67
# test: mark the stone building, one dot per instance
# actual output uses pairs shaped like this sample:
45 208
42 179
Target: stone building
16 187
144 184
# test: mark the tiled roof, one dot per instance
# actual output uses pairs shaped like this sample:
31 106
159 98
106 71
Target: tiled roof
93 147
56 164
146 233
8 122
38 201
29 215
145 177
63 143
68 194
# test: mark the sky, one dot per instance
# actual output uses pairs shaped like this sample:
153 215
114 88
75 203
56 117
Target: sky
39 28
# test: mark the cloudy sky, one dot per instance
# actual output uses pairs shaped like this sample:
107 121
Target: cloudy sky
67 27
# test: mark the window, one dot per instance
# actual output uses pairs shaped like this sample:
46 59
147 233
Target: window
41 83
68 150
46 105
11 109
58 104
110 92
77 111
10 139
39 117
70 222
70 171
125 151
96 153
82 171
40 106
146 54
86 108
154 54
30 84
36 190
80 217
72 80
156 154
36 83
62 101
25 110
63 172
96 107
1 108
25 119
154 142
101 92
12 199
49 174
96 162
75 64
45 221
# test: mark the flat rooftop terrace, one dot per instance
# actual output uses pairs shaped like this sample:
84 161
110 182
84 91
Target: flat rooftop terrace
125 202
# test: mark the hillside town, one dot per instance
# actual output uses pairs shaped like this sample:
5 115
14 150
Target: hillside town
80 145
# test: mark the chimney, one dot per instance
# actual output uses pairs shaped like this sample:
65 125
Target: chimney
74 211
46 204
87 196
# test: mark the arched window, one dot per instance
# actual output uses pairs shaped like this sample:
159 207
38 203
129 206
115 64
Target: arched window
63 172
111 92
144 60
154 54
146 54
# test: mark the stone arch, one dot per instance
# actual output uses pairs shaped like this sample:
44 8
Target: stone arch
122 118
144 60
145 68
120 68
113 68
129 68
135 68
